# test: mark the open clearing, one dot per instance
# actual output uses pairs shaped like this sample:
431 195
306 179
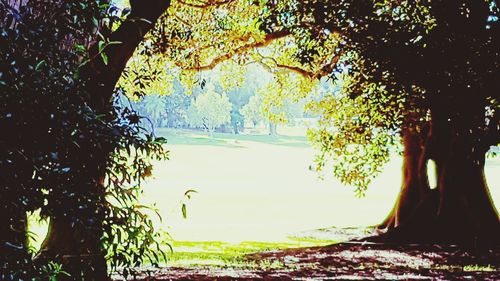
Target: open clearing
260 188
256 193
257 201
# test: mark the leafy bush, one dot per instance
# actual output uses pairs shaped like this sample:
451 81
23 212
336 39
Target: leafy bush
58 154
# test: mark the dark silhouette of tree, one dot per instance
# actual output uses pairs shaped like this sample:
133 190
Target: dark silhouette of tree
441 59
63 153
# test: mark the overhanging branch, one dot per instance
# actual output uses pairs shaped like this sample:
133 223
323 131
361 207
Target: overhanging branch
204 5
268 39
103 76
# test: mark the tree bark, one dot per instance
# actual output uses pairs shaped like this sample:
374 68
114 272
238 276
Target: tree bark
465 213
77 248
102 78
415 186
460 210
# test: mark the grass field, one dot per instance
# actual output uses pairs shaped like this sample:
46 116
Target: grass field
257 190
255 193
226 254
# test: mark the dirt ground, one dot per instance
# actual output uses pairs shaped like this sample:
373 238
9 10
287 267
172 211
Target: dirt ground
354 261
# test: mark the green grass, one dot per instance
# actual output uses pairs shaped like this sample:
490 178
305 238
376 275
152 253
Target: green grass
224 254
192 137
254 184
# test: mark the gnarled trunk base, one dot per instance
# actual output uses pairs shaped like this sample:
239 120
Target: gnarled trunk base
460 209
78 250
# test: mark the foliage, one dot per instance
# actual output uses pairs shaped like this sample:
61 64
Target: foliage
177 104
251 111
354 135
60 146
35 105
282 97
146 75
277 102
384 50
386 57
210 110
237 120
129 236
154 107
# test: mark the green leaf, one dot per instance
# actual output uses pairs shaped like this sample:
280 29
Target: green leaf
101 46
104 58
80 47
115 42
40 64
184 211
188 193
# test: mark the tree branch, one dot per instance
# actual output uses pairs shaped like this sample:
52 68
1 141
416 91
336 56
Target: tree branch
324 71
269 38
102 77
206 4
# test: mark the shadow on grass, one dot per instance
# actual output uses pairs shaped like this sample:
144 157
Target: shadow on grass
302 258
224 254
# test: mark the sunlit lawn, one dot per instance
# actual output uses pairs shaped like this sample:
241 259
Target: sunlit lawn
256 193
258 188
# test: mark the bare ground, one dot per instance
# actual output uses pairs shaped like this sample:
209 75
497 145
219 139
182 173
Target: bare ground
354 261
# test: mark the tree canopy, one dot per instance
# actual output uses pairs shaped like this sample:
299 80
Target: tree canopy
210 110
423 74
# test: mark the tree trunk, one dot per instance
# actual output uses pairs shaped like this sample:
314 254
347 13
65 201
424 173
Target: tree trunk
272 129
460 210
465 213
415 188
78 250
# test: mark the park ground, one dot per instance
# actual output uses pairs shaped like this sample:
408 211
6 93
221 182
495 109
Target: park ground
259 212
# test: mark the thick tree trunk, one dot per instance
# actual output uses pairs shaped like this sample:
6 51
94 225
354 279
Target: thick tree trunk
466 213
415 189
460 210
79 250
74 239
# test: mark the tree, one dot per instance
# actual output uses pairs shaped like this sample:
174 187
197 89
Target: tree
210 110
94 51
101 74
281 97
386 52
177 104
71 135
437 61
153 107
237 120
251 111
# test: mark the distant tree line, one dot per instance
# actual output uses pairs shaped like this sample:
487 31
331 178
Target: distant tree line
210 107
